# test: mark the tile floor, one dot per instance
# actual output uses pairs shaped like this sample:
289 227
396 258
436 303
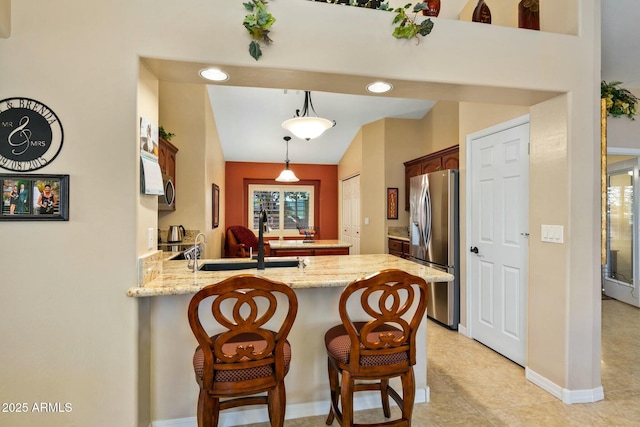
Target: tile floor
472 385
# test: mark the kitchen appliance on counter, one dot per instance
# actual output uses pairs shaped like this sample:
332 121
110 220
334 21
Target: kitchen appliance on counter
434 237
176 233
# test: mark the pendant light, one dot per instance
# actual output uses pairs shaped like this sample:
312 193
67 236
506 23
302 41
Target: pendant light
305 126
287 174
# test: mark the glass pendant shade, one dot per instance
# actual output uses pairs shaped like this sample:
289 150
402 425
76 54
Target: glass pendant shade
305 126
287 175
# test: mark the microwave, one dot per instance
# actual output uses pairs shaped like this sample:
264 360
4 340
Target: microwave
166 202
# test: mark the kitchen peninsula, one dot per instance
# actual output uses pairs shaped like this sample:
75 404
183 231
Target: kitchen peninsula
320 272
318 287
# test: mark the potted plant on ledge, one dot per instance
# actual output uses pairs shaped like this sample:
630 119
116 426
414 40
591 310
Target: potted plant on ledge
619 101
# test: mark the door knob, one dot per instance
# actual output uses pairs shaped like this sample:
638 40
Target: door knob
474 249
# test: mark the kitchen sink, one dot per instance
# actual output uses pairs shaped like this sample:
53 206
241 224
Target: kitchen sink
247 265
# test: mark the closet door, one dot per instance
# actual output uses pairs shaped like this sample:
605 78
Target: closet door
350 232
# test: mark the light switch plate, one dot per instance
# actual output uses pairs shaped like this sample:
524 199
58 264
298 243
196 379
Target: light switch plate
552 233
150 239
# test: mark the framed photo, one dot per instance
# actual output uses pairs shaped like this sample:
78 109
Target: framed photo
392 203
148 137
215 205
34 197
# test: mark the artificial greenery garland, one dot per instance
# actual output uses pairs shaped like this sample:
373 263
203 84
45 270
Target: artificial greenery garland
407 27
620 102
257 24
259 21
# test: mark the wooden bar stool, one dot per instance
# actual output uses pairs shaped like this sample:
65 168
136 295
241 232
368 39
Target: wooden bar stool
244 358
379 347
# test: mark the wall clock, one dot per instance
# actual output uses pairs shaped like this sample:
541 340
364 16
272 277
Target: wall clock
30 134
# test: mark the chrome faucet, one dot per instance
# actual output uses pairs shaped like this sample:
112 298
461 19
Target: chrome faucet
262 228
196 251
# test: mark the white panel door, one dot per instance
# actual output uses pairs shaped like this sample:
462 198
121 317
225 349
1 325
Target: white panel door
355 215
498 238
345 232
350 232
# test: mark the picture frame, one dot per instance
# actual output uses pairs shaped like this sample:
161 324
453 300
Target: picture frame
215 205
34 197
392 203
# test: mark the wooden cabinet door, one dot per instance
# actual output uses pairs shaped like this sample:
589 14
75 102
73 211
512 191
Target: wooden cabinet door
431 165
331 251
450 161
170 165
162 158
167 158
406 247
292 252
395 247
410 171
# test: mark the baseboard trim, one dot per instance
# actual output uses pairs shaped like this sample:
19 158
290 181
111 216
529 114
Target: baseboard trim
567 396
583 396
463 330
365 400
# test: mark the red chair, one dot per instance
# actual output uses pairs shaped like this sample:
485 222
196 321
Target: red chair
245 358
238 241
380 346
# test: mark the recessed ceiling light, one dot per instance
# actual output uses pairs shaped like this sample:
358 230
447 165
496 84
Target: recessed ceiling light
214 74
379 87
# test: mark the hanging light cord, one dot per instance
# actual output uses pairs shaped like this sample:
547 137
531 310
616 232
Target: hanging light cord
286 159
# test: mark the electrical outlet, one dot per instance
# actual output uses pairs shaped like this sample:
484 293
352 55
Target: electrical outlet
150 238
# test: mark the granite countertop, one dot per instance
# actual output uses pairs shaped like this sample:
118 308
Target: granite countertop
183 243
403 238
398 233
169 255
301 244
321 271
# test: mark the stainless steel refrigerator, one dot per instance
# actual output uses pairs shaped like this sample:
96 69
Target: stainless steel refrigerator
434 234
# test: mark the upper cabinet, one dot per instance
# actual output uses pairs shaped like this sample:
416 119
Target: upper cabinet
440 160
167 158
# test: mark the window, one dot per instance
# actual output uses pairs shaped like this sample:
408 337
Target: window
289 207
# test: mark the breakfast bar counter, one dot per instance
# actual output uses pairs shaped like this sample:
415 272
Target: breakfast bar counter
166 343
320 272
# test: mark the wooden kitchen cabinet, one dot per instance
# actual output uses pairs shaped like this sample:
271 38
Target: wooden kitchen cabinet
440 160
399 248
167 158
309 252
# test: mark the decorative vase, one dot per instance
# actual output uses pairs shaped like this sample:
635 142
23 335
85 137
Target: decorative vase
481 13
434 8
529 14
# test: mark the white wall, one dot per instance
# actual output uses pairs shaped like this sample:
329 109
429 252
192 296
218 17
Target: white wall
69 332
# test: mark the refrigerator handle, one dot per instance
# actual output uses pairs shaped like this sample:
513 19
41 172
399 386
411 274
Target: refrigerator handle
425 207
